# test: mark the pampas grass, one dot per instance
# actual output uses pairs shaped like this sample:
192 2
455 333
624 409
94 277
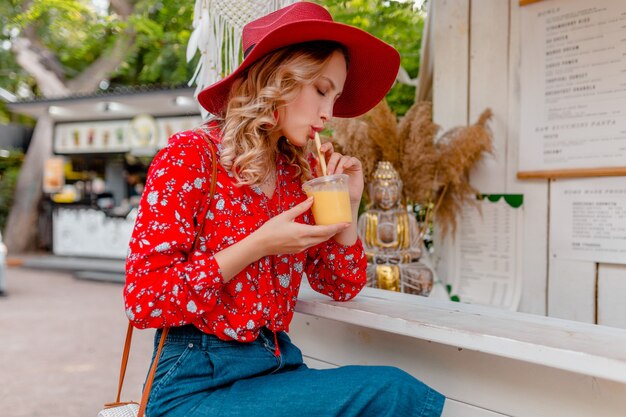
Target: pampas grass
351 137
435 171
383 131
419 157
459 150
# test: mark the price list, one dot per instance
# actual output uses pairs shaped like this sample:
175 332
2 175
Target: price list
488 270
573 85
588 220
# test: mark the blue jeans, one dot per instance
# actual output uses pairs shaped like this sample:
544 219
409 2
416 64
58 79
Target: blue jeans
200 375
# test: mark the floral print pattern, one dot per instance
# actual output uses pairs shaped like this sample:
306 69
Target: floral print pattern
169 283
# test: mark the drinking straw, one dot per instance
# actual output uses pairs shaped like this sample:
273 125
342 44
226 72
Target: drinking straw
320 155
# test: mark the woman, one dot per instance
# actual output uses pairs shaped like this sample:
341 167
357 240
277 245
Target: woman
228 294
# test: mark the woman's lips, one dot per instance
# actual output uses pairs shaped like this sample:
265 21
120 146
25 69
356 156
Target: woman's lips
315 129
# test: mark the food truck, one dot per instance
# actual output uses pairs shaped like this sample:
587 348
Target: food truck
102 146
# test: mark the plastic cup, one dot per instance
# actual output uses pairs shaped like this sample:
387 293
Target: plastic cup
331 199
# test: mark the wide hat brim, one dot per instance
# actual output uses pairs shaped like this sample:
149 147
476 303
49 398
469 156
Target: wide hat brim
372 69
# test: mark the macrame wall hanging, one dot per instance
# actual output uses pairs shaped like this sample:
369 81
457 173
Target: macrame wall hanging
217 35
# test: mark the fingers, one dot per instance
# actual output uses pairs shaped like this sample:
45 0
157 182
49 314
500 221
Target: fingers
304 236
294 237
331 164
327 148
298 209
327 231
338 164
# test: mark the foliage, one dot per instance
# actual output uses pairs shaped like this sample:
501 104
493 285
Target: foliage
399 23
9 171
73 30
163 30
12 77
453 297
77 33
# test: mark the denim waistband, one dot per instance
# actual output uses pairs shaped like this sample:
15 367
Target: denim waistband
190 334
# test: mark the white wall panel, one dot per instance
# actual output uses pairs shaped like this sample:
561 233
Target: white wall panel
450 91
536 192
451 62
572 290
612 295
488 87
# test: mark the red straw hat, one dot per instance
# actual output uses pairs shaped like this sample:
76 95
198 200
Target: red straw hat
373 63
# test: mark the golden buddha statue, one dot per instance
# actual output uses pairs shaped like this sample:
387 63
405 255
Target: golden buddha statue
391 237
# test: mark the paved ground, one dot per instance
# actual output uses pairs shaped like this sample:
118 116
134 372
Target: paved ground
60 345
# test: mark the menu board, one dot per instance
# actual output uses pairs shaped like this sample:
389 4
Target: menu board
588 220
143 134
573 85
488 266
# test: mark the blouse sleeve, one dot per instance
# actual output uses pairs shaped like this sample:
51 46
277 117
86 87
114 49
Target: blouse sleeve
168 284
336 270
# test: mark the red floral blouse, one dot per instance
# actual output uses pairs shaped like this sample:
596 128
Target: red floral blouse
168 284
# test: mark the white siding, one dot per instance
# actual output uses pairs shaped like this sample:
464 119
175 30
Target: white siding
612 295
477 65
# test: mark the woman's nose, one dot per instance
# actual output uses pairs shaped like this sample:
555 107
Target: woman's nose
326 112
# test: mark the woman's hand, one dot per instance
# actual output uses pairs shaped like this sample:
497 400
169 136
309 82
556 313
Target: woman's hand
282 234
337 163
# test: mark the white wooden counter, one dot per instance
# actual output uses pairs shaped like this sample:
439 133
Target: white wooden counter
487 361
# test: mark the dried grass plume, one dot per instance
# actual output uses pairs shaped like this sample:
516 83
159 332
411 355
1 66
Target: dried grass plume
435 171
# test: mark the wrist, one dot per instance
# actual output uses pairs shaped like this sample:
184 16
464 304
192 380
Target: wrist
257 244
355 208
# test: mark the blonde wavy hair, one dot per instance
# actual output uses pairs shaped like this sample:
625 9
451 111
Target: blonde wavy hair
269 84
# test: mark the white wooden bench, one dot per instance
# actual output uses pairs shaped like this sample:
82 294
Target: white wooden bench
487 361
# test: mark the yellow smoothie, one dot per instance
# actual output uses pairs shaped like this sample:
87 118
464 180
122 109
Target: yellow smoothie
331 206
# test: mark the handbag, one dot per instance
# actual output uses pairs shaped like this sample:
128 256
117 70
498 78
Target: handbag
132 408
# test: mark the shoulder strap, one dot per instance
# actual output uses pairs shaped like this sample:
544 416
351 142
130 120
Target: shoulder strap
155 362
129 332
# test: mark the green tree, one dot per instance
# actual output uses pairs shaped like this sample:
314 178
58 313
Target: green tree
59 47
399 23
12 77
71 46
158 56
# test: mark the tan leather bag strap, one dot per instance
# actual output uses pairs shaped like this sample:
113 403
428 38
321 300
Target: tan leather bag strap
129 339
155 362
129 332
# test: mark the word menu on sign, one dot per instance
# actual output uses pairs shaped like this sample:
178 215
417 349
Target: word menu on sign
573 85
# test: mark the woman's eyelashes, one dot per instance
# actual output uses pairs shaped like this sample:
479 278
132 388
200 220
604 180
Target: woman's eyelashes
321 93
